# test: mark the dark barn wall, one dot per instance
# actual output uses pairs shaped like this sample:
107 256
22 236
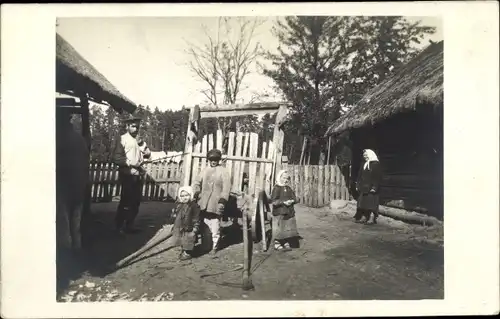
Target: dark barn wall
410 149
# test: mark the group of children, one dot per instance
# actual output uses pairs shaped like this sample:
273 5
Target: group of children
191 207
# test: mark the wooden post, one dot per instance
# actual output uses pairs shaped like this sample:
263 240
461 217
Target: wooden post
85 219
278 136
304 142
188 151
329 147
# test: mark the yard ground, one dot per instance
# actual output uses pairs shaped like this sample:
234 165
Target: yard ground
338 259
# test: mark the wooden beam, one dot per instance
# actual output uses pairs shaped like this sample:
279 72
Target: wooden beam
231 113
237 158
234 107
67 102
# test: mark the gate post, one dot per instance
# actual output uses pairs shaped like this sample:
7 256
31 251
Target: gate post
278 137
188 153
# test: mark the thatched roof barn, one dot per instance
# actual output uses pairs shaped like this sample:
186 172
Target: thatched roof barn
74 73
402 121
420 82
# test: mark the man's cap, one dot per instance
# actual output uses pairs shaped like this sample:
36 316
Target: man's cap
132 119
214 154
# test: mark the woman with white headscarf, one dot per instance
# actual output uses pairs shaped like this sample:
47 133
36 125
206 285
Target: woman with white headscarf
367 186
284 223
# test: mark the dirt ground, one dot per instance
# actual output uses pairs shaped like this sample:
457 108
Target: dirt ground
338 259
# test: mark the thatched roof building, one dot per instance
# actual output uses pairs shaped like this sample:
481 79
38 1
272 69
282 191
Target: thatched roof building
74 73
420 82
402 121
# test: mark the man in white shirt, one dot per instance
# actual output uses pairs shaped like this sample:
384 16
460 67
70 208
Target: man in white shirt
129 155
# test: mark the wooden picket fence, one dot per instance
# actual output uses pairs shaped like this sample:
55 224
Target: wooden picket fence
161 181
245 154
317 185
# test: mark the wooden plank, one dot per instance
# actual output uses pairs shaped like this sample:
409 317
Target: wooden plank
210 141
239 107
219 140
314 185
204 148
252 169
296 181
188 150
196 160
307 197
278 136
269 168
244 153
329 147
326 184
321 188
261 169
230 152
338 176
238 158
219 114
237 165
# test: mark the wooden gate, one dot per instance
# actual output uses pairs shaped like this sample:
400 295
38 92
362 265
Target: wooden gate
249 162
244 153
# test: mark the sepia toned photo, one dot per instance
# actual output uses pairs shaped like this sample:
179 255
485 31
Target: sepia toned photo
249 158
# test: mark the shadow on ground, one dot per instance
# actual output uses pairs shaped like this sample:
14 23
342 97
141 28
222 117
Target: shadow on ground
105 247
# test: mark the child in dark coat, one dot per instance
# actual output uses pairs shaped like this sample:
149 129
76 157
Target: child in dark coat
187 222
284 222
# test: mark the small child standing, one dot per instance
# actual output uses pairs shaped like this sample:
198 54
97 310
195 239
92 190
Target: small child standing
284 222
187 222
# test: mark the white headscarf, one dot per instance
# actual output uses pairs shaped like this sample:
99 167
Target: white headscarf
187 189
372 157
278 177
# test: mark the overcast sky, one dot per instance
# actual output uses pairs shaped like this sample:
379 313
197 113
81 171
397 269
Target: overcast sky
144 57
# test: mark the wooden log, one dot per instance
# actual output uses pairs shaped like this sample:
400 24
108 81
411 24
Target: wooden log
404 215
162 235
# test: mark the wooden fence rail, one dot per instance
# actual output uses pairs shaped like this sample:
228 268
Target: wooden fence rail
317 185
161 181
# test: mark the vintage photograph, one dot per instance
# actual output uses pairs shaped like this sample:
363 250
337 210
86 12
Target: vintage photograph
249 158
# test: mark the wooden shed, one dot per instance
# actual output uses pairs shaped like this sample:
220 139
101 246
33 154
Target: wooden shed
402 121
77 84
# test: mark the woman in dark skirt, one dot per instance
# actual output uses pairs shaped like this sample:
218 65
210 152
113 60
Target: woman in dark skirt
187 222
283 198
367 186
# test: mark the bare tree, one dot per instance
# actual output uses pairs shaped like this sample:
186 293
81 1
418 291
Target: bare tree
225 60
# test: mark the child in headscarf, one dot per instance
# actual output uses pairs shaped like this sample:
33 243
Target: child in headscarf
367 186
187 222
284 222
